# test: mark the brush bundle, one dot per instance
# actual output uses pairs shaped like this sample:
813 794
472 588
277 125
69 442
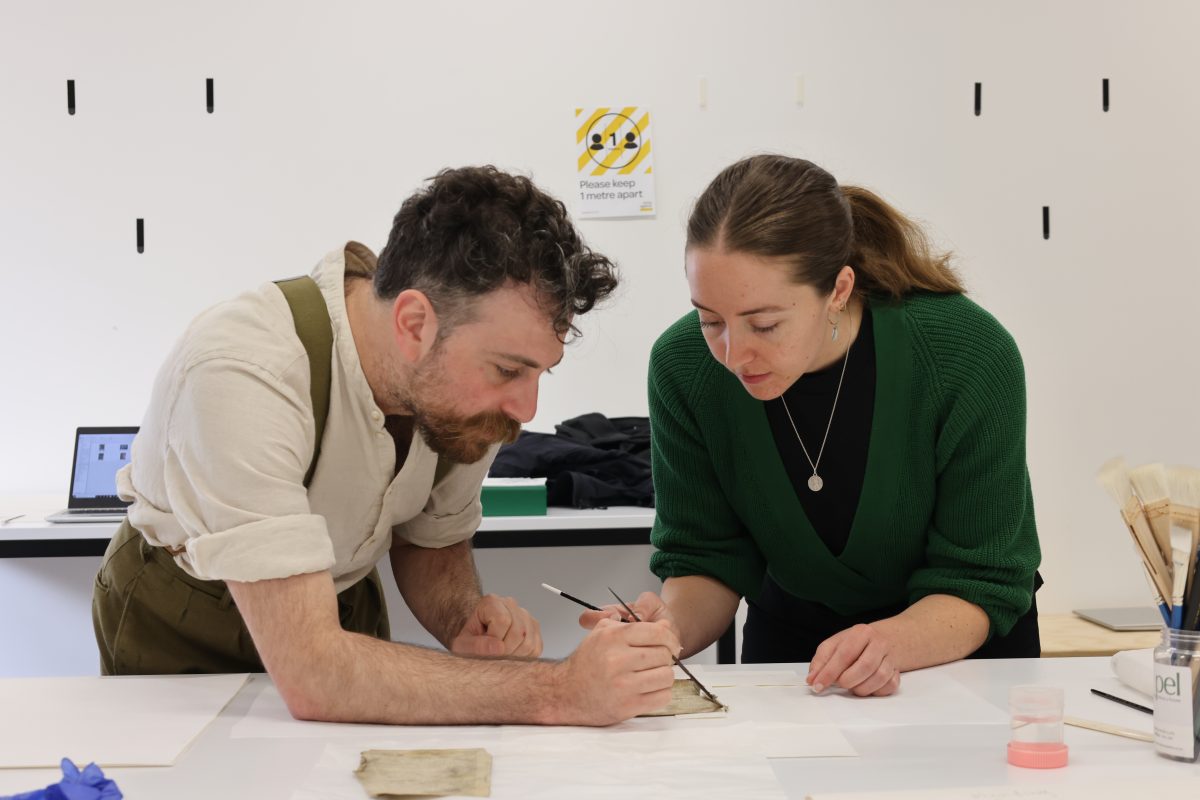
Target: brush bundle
1161 508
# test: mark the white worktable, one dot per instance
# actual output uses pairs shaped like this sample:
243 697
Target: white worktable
29 535
893 756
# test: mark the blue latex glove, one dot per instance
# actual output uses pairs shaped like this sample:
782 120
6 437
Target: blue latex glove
88 784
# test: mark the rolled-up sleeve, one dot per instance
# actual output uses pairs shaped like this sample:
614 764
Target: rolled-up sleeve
982 545
238 444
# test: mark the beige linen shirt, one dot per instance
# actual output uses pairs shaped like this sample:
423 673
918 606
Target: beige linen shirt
217 468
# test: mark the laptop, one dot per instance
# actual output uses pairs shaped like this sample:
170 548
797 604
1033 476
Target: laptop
99 453
1140 618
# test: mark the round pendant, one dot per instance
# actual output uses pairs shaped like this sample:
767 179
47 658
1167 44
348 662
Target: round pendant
815 483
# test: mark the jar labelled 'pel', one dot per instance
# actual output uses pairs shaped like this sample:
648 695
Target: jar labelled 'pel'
1176 673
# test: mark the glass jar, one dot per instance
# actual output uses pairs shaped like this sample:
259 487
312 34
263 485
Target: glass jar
1176 669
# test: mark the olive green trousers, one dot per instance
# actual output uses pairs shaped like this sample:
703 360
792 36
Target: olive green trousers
152 618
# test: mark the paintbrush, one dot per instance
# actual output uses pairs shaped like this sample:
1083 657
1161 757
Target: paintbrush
1180 560
1150 483
1183 483
573 599
1123 701
636 618
1179 519
1163 608
1114 476
674 658
1184 486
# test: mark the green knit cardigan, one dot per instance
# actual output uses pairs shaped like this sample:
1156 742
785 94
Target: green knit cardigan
945 506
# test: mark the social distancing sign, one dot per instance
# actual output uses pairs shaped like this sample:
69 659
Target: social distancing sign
615 162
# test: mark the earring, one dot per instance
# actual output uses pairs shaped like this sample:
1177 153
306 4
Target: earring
835 322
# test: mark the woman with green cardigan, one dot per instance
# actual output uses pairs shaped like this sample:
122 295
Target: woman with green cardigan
839 437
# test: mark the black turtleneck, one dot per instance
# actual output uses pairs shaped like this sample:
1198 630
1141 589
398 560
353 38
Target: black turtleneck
844 463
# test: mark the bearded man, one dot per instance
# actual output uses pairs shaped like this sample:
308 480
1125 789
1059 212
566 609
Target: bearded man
301 431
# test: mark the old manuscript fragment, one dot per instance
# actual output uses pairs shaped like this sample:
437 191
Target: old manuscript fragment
421 773
685 699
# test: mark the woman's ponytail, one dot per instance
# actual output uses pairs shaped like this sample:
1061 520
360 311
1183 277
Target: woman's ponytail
890 253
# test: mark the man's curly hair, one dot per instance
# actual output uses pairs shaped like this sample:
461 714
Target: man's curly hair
472 230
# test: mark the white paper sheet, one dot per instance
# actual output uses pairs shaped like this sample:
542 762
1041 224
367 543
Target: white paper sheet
19 781
1122 790
695 736
925 698
769 721
521 775
787 721
269 717
744 677
117 721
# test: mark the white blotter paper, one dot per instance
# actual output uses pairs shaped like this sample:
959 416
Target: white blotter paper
774 721
144 721
925 698
523 773
715 679
1120 790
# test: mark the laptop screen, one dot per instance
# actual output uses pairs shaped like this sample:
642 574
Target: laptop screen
99 453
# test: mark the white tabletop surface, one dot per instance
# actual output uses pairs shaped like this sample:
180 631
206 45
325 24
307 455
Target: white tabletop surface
891 756
30 523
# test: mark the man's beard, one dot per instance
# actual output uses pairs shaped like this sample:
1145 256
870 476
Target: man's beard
464 440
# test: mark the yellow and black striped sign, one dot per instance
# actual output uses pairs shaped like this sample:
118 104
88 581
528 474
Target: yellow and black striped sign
613 141
614 163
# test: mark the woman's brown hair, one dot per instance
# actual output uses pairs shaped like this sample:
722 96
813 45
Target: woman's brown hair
779 207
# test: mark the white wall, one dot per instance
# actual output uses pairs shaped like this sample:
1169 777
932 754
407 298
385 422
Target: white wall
329 114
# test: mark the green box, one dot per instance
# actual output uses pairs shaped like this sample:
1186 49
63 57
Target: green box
514 497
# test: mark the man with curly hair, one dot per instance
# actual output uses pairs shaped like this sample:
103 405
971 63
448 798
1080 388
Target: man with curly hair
301 431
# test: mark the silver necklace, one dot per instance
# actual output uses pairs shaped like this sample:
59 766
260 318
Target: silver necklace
816 482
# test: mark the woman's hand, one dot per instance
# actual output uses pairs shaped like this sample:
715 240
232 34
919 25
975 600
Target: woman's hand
696 608
868 659
649 607
858 659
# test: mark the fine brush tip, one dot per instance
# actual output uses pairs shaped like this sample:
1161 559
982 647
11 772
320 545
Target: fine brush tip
703 689
625 605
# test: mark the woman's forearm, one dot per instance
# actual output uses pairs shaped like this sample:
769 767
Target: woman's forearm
702 608
936 629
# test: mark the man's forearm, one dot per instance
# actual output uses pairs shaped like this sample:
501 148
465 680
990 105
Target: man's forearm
326 673
354 678
440 585
936 629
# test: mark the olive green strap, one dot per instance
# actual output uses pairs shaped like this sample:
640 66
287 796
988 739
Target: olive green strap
316 334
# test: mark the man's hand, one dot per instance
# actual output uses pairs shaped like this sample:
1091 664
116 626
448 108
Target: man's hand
618 672
498 627
649 607
856 659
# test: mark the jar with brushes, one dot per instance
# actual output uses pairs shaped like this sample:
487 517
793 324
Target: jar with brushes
1177 694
